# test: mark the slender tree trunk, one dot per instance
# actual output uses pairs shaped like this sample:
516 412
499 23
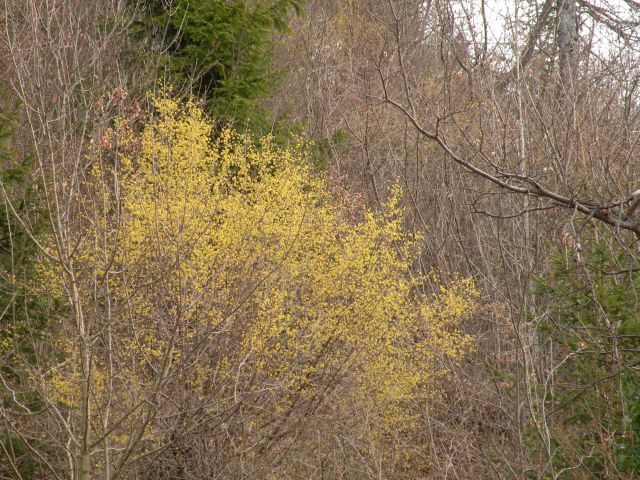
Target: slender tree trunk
85 407
567 44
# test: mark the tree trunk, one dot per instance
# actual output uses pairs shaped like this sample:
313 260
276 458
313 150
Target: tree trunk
567 44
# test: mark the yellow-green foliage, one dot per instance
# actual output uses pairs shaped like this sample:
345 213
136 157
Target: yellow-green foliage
236 259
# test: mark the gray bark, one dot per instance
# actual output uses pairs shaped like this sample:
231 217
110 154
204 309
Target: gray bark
567 44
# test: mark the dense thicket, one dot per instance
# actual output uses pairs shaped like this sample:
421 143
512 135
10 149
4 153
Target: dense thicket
454 294
507 165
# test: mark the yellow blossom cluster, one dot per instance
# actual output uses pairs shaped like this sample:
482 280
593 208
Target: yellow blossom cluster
230 271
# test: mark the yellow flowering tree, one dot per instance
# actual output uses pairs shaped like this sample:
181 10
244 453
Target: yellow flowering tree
229 297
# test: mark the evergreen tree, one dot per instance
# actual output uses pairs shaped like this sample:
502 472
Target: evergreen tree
23 313
223 48
594 317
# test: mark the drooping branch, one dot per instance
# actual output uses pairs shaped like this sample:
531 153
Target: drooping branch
614 213
618 214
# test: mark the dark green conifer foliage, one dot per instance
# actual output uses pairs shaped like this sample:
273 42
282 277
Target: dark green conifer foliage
23 314
223 47
16 249
594 313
